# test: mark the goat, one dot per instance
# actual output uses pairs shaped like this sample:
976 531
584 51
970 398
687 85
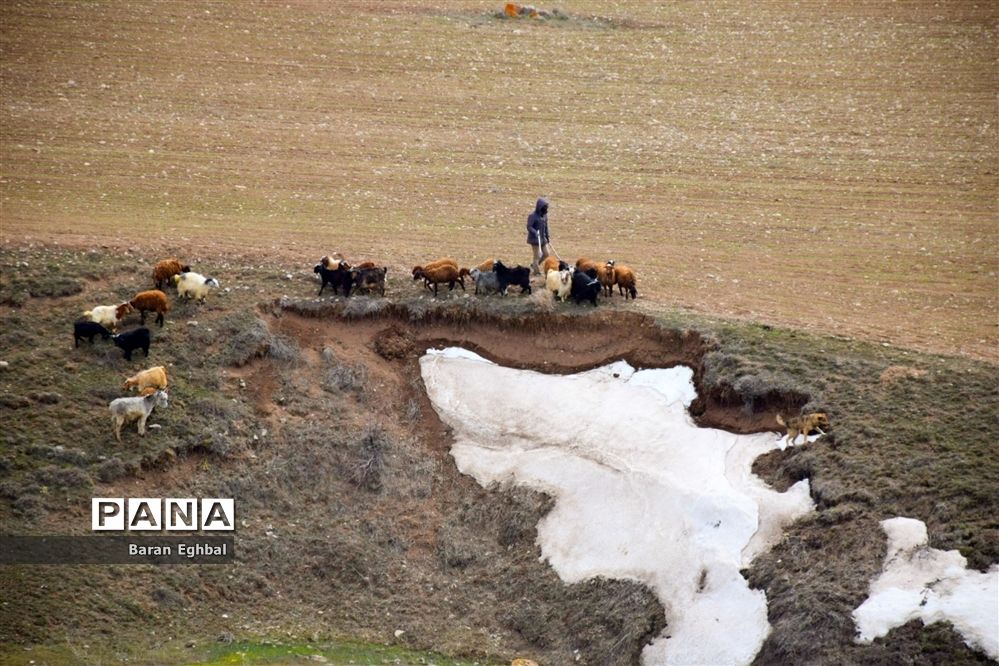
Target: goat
584 287
132 340
109 315
165 269
148 380
339 277
519 276
124 410
370 279
88 329
486 282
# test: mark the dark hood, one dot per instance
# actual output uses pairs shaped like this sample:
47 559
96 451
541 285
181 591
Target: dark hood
541 208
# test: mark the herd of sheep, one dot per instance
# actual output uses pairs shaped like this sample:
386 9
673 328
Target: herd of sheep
103 320
583 282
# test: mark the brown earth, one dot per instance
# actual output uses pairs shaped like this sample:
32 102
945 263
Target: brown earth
828 166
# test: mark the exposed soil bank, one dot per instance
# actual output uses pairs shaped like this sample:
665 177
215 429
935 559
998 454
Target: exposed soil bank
557 343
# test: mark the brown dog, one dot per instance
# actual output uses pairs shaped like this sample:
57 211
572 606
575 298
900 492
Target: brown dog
802 425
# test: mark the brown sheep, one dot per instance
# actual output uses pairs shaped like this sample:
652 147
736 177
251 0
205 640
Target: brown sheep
487 265
549 264
446 261
148 381
330 261
153 300
438 275
624 278
603 273
166 269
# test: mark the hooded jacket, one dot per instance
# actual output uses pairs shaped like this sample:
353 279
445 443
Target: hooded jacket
537 224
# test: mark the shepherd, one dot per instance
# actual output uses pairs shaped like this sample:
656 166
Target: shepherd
537 234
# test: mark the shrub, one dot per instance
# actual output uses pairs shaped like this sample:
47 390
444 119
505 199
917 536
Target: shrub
371 458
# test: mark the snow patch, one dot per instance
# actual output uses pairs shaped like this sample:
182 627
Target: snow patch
457 352
919 582
641 493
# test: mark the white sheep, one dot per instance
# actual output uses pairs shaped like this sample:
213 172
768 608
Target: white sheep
559 283
108 316
124 410
194 285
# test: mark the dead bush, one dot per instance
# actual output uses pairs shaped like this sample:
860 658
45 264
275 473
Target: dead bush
453 548
370 464
62 477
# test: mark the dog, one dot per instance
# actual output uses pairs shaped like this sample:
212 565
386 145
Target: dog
802 425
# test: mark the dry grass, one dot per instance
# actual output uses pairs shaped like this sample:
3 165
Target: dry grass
829 166
333 505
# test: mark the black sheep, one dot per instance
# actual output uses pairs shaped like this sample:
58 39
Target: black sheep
88 329
339 277
584 288
132 340
519 276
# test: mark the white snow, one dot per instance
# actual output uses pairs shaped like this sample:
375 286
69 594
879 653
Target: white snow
919 582
641 492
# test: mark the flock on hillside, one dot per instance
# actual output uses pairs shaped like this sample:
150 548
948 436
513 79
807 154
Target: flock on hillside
104 320
585 281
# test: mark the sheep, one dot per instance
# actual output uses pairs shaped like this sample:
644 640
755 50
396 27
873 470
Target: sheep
433 265
109 315
148 381
132 340
519 276
584 287
439 274
486 282
487 265
624 278
553 264
603 273
124 410
370 279
166 269
339 277
194 285
88 329
559 283
328 260
152 300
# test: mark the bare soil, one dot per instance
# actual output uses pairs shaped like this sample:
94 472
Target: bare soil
825 166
